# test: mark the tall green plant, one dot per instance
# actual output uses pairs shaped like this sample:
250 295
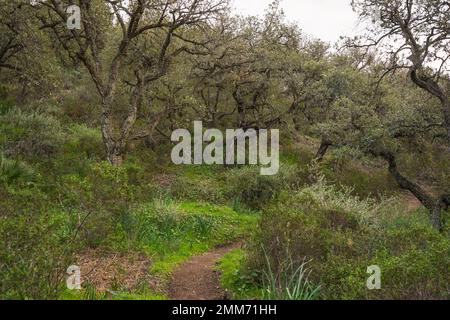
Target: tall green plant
289 283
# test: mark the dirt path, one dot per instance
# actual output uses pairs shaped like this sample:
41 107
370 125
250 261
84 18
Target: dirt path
196 279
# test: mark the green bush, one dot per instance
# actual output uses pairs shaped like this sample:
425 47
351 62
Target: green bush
86 141
37 247
15 170
366 180
414 264
249 187
80 106
343 235
197 189
98 202
29 134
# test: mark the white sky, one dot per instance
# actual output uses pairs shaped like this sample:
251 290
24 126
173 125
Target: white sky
323 19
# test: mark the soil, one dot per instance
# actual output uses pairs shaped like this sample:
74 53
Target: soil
105 270
412 203
197 278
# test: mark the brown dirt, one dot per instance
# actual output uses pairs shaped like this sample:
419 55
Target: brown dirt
105 270
197 279
411 202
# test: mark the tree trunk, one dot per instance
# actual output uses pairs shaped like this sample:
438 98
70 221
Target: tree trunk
435 207
116 160
324 146
116 146
447 120
114 152
240 104
436 217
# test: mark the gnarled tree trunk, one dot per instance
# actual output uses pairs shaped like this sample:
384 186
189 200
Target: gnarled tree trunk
324 146
116 146
435 206
436 90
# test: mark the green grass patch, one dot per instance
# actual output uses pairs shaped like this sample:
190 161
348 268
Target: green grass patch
240 284
172 232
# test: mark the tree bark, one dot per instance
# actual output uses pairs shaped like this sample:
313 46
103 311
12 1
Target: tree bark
446 109
240 105
324 146
435 206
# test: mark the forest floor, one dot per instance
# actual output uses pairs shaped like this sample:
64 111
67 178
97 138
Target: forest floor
191 256
198 279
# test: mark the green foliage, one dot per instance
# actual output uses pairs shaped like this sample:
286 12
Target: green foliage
29 134
239 282
78 104
174 231
15 171
247 186
39 249
343 235
58 195
288 282
198 189
5 104
114 177
407 257
98 203
347 168
85 141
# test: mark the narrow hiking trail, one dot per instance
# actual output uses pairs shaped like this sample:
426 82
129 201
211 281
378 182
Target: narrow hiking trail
197 278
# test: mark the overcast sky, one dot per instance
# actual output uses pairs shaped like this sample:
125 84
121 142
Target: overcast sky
323 19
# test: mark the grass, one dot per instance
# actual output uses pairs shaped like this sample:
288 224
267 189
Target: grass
207 206
244 284
90 293
193 228
289 283
240 284
209 226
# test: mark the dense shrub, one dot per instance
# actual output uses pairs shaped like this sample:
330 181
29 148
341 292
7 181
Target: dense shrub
29 133
197 189
97 201
343 235
86 142
37 246
414 264
248 186
15 170
80 106
345 168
